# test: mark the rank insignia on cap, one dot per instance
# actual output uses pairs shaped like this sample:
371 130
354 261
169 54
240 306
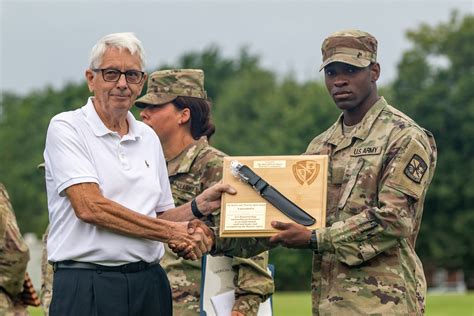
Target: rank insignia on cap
416 168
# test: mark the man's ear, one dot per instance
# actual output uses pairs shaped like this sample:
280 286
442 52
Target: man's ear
90 79
375 72
142 84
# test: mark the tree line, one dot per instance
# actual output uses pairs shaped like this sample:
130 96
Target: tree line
258 113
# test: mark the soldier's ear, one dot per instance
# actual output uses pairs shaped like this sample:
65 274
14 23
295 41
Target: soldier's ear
185 116
374 72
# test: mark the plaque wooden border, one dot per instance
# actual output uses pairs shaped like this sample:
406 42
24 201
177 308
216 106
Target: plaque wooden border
295 177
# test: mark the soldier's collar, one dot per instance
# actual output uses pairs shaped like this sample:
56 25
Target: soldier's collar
183 162
368 121
363 128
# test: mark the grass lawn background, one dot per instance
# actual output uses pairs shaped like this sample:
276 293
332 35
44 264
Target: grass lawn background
299 304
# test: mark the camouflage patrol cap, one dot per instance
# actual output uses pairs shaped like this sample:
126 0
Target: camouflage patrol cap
352 47
166 85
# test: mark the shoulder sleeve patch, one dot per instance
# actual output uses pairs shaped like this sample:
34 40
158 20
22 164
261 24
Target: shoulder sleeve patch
409 171
416 168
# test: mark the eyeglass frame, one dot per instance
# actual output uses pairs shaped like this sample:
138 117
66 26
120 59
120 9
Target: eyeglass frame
121 73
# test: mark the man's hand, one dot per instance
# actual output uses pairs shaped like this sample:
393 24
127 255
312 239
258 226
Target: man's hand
196 224
210 199
292 235
191 245
194 227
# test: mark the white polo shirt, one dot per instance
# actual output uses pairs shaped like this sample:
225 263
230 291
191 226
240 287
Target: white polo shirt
130 170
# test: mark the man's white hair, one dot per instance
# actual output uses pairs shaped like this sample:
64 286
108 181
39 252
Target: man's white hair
121 41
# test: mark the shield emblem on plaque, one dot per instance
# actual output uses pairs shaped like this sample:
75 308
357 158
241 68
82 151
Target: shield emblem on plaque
306 171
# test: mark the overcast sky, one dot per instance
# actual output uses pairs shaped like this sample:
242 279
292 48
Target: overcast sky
48 42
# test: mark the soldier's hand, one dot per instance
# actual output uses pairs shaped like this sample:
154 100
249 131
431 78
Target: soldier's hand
191 246
210 199
291 235
195 224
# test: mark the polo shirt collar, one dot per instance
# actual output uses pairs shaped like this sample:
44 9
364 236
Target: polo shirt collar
98 127
133 130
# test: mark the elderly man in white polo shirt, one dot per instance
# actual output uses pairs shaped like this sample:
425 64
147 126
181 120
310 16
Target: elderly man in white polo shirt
106 181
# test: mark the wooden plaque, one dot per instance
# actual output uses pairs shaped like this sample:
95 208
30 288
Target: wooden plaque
302 179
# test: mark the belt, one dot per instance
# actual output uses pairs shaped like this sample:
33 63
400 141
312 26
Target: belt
124 268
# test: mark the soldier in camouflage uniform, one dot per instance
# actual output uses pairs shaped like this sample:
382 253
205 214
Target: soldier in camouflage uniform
46 271
46 277
380 166
175 106
14 256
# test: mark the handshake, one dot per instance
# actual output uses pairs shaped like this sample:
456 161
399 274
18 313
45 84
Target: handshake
198 241
193 239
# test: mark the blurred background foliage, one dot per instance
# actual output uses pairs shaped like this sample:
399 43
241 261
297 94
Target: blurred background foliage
258 113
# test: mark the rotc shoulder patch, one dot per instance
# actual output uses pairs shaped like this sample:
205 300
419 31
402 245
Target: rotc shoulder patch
416 168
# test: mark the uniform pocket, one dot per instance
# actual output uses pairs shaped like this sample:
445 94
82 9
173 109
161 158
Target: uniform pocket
350 179
374 289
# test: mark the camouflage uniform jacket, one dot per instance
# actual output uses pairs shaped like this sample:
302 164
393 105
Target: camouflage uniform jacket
195 169
14 256
377 183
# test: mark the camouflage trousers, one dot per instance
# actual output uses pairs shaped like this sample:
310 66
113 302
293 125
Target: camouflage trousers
46 278
185 288
10 308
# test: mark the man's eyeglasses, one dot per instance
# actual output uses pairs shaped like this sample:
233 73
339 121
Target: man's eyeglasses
113 75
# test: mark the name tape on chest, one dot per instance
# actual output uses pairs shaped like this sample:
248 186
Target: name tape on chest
368 150
186 187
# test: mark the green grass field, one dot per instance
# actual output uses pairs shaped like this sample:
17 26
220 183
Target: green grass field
299 304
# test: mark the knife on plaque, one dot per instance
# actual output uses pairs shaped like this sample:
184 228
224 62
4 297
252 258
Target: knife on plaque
272 195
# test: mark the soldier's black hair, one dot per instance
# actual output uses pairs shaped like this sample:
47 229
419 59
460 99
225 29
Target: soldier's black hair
201 122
